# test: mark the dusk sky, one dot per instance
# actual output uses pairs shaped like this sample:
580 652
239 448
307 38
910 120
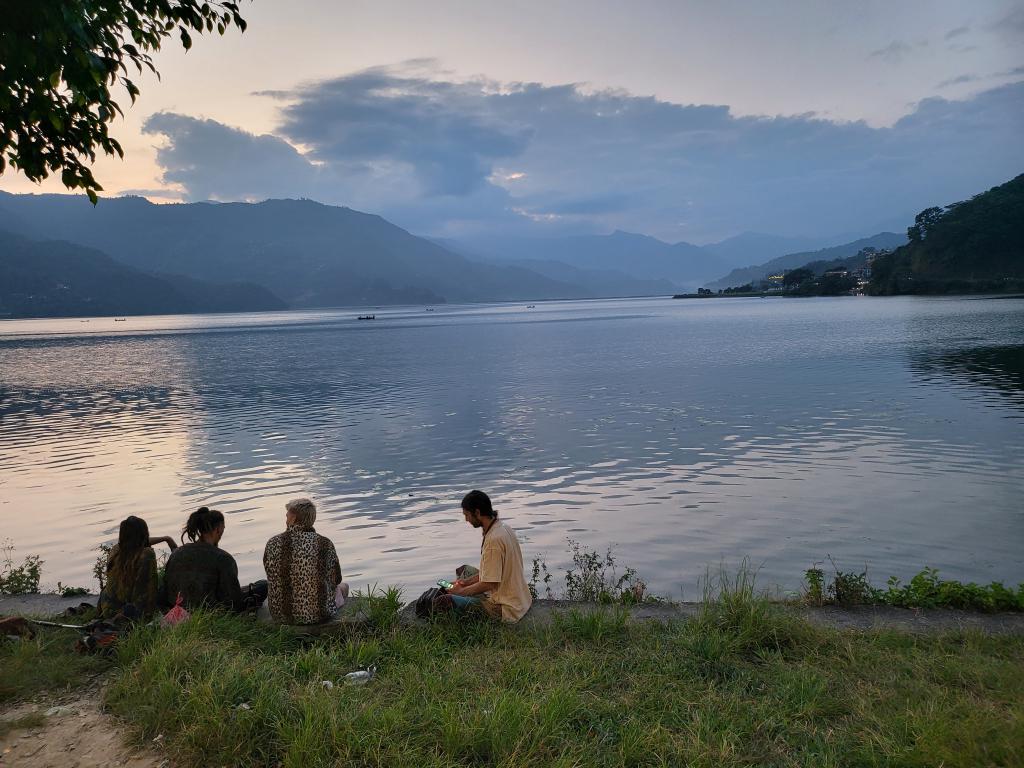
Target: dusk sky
687 121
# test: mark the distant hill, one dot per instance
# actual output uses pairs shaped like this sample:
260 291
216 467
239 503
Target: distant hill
975 245
594 281
756 248
636 257
62 279
883 240
680 265
309 254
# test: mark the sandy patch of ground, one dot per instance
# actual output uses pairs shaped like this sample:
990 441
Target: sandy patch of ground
75 734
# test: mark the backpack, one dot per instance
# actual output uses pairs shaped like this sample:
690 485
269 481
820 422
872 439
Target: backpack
429 602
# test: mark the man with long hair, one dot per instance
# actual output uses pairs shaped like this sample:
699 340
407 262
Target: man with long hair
500 586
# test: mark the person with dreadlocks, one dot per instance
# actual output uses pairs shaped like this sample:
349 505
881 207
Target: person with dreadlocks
200 571
130 587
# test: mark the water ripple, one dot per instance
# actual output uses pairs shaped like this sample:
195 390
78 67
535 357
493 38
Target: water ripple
881 432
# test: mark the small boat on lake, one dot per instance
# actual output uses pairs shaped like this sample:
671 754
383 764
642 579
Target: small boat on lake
367 317
120 319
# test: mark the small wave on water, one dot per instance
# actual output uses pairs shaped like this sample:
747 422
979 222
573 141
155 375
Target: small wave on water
881 432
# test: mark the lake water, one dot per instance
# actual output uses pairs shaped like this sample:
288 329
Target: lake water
887 433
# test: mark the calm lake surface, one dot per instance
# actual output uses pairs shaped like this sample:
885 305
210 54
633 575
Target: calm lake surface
888 433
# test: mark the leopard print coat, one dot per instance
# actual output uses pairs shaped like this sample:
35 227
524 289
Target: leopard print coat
302 573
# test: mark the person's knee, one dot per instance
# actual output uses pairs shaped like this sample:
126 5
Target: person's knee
343 588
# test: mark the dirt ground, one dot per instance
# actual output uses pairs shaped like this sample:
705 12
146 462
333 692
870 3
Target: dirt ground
75 733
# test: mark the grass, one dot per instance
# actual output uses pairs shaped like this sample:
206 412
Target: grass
46 663
743 684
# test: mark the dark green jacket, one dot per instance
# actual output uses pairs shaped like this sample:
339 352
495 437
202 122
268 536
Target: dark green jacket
203 575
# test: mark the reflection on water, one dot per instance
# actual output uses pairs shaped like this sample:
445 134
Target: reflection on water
884 432
998 369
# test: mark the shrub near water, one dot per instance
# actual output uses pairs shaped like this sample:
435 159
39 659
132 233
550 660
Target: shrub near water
925 590
744 684
18 579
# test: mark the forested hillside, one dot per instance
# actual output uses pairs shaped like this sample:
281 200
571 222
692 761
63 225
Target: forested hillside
974 246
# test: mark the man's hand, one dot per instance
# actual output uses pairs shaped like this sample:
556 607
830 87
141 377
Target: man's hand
477 587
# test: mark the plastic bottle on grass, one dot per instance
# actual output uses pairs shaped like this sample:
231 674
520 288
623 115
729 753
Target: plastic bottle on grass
362 676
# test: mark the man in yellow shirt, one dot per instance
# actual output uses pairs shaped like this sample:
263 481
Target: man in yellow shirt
500 587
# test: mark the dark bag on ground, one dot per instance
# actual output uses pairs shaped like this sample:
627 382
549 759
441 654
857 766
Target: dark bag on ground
431 602
254 594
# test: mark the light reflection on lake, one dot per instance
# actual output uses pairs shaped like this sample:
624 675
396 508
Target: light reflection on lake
885 432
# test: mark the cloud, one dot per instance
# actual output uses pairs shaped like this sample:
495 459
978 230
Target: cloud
894 52
449 158
957 32
958 81
377 117
1011 26
212 161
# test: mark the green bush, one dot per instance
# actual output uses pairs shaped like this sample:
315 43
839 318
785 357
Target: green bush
925 590
19 579
594 578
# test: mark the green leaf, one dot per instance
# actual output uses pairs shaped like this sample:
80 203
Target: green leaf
92 195
186 39
55 79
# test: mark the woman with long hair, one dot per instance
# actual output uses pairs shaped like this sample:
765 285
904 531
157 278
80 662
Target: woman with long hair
131 583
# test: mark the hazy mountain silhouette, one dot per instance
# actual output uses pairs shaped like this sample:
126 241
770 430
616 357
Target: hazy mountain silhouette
749 248
637 257
683 265
592 281
749 274
55 278
307 253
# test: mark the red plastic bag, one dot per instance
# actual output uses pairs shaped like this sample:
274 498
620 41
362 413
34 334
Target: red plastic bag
176 615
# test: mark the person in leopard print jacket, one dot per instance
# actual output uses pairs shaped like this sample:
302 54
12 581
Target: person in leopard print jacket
303 572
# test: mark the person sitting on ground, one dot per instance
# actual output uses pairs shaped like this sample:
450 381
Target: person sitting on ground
130 586
200 571
303 571
500 586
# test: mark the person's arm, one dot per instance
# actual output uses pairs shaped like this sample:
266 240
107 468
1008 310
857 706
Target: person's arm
335 564
229 591
154 540
476 588
489 577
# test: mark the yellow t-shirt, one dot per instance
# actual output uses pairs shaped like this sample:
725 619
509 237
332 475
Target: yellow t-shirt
501 561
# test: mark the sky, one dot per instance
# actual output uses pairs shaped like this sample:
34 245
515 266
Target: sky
683 120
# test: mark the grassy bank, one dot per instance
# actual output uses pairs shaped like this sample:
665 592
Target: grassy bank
743 684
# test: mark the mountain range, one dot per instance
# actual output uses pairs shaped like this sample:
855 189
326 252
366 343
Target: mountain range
47 278
677 266
300 253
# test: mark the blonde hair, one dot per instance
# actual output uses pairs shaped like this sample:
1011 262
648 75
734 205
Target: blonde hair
304 511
